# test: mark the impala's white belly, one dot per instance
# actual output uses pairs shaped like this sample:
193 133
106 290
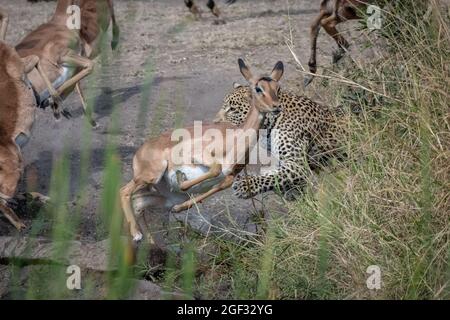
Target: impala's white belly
168 192
189 173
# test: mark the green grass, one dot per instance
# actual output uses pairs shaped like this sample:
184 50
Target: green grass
387 204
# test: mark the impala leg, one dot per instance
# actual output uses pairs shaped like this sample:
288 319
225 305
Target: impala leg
11 215
144 176
88 113
4 25
36 196
330 28
10 173
193 8
190 203
314 34
75 60
115 27
336 5
30 63
211 4
213 7
56 99
125 198
328 20
213 172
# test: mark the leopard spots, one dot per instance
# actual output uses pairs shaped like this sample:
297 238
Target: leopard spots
307 137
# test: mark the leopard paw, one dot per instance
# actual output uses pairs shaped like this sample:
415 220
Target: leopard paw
241 189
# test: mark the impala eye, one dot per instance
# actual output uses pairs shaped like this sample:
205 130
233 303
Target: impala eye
258 90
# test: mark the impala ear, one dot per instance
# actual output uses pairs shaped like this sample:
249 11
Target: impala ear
29 63
277 71
245 70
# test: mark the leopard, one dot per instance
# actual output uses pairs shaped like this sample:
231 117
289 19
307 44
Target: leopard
308 135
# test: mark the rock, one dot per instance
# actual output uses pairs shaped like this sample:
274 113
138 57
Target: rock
196 221
217 225
146 290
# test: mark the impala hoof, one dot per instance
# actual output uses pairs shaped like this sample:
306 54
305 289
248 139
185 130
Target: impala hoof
57 116
39 197
176 209
338 55
66 114
93 124
18 224
138 237
307 81
21 226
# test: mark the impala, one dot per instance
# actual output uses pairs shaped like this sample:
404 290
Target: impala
209 169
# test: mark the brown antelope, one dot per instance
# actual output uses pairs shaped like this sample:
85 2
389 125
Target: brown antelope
333 12
210 4
96 16
17 109
61 64
206 172
65 55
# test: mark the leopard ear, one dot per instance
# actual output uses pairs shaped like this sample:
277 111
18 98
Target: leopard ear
248 93
237 85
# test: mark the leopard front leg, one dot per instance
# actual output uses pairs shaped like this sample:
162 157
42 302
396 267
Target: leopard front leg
290 174
245 187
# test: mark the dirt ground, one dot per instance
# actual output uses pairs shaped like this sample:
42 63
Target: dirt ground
194 64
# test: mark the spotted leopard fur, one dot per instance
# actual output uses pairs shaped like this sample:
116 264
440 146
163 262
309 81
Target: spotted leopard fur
307 136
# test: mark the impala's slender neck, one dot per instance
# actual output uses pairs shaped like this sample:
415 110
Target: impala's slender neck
255 118
60 16
251 126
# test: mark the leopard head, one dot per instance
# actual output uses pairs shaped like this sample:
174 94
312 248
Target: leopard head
236 105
